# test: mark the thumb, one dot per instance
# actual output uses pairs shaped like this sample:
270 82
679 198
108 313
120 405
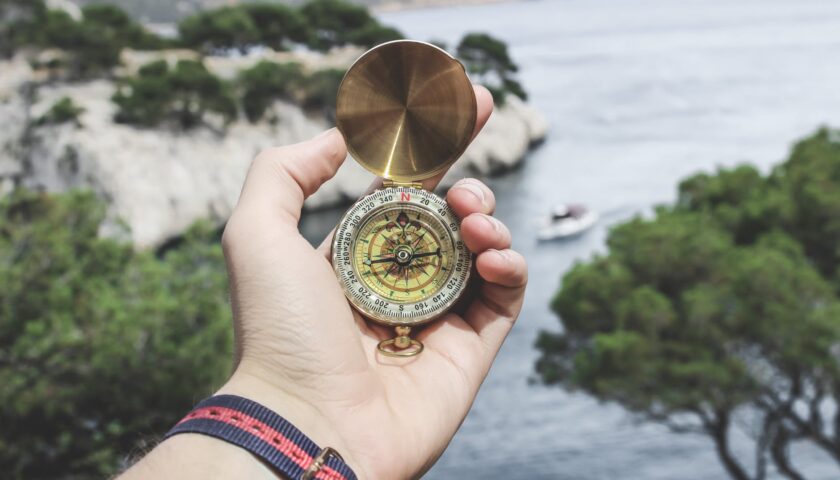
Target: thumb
281 178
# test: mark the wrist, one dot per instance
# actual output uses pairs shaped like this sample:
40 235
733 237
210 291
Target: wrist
302 414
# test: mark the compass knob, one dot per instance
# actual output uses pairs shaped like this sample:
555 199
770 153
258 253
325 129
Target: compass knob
403 255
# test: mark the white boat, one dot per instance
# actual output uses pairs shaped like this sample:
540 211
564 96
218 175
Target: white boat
567 220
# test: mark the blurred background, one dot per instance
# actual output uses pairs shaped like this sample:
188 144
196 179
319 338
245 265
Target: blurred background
669 169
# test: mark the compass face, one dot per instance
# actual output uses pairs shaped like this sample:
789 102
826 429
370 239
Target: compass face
399 256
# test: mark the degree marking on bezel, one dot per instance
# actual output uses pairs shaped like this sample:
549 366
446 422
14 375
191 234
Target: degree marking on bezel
385 310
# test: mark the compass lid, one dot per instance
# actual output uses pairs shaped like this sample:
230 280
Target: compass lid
406 109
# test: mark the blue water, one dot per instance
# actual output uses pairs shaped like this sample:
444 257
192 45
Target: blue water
638 95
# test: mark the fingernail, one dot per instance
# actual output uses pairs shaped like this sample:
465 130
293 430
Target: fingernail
497 225
467 184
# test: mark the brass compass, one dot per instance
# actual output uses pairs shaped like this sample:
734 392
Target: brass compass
407 111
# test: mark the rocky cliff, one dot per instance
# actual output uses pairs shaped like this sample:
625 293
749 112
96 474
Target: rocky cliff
159 181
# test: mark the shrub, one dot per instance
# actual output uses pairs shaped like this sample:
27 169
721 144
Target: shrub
219 29
277 25
334 23
320 90
113 22
144 100
241 27
64 110
487 58
101 347
373 34
93 43
182 95
92 49
266 82
18 19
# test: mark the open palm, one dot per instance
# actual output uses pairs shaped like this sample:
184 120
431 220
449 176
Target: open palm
305 353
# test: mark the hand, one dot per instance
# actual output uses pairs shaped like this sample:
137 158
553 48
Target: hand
305 353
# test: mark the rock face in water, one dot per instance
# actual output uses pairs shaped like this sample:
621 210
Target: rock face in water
501 145
159 181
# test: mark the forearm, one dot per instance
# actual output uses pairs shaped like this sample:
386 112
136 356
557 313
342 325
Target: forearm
188 455
194 456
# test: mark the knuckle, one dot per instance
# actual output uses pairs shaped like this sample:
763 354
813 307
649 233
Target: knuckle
231 234
267 157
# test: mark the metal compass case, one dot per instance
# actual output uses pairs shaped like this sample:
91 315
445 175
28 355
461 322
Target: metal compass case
407 111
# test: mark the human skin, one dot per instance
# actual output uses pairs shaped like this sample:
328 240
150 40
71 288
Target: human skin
302 351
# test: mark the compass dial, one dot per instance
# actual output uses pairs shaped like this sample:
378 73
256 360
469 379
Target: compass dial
400 257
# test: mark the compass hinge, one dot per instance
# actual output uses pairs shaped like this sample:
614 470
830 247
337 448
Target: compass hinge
391 184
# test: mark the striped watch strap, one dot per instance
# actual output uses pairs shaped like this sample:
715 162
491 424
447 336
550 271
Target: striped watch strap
265 434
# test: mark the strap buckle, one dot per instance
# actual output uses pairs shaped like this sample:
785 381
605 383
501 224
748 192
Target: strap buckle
318 462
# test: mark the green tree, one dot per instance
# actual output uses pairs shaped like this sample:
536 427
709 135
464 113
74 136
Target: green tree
93 44
101 347
266 82
219 29
487 58
811 178
321 90
723 303
91 49
18 19
184 95
373 34
241 27
114 23
334 23
277 25
62 111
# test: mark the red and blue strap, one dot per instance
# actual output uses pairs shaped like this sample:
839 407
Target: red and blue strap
265 434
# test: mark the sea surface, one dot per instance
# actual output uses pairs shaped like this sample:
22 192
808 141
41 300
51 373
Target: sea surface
639 94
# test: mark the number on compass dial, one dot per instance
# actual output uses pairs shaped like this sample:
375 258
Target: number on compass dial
403 254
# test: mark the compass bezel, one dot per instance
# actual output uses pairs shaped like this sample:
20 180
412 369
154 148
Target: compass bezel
375 306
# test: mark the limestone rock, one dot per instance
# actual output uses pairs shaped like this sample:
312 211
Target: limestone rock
502 144
159 181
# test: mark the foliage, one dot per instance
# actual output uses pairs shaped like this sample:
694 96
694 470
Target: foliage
487 57
726 300
83 320
184 95
321 90
17 18
219 29
93 44
373 34
319 24
114 24
334 23
266 82
91 48
277 25
64 110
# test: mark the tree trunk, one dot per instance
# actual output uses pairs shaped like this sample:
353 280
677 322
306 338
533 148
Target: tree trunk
719 431
780 452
